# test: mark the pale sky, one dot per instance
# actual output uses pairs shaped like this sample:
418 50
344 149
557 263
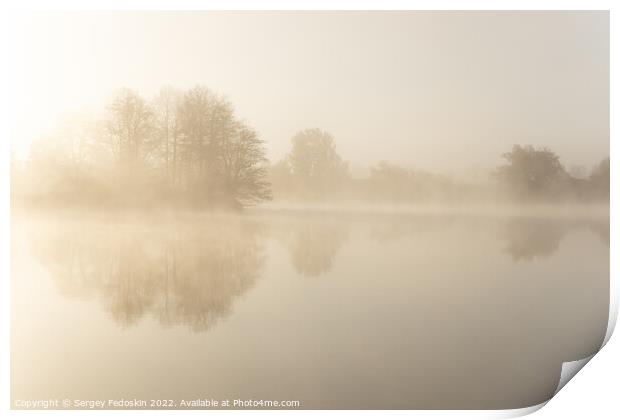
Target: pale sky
444 91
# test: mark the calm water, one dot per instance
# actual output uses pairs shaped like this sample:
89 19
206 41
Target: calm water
335 310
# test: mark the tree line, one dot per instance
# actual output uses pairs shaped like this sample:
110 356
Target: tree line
189 148
314 170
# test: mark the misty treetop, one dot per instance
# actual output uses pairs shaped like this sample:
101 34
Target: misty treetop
538 174
181 146
188 148
314 170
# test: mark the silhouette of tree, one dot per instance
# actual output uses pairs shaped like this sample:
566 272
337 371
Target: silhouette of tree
530 238
314 161
130 126
245 167
599 179
166 107
206 122
533 173
180 148
224 160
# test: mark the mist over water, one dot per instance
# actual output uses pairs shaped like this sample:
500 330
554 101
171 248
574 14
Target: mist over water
353 210
337 310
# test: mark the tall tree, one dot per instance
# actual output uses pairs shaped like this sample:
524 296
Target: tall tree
130 125
245 166
533 172
205 122
314 160
191 139
166 108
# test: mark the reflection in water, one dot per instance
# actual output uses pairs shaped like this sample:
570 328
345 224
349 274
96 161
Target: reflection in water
185 275
530 238
524 238
601 228
422 311
312 240
314 248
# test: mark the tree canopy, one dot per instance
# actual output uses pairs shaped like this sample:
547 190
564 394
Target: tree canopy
532 172
179 147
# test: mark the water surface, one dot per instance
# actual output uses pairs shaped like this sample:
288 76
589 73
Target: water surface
335 310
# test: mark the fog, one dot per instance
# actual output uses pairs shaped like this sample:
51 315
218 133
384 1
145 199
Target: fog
437 91
351 210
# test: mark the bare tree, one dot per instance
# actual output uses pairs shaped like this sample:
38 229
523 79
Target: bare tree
224 159
130 125
166 108
245 166
192 140
205 122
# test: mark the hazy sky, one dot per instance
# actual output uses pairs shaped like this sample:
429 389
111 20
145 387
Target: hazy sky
446 91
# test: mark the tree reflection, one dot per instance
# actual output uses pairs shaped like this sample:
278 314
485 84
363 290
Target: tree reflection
314 247
530 238
601 229
527 239
311 239
185 274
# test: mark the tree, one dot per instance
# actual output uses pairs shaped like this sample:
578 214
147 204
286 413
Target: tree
166 108
191 140
245 166
223 158
206 122
130 125
533 173
599 179
315 162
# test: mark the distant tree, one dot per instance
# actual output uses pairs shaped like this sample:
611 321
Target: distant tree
396 183
314 161
534 173
599 179
130 125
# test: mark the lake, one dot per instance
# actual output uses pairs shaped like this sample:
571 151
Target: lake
336 310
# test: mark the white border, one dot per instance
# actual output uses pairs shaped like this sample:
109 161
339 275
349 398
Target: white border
280 5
